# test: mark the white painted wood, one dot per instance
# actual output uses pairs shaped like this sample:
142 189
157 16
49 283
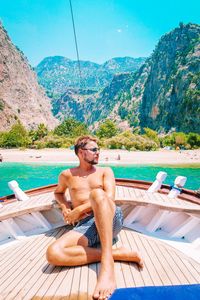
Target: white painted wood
160 177
196 244
194 234
148 215
5 236
41 220
157 220
24 219
11 226
177 187
27 223
19 194
185 227
134 215
174 220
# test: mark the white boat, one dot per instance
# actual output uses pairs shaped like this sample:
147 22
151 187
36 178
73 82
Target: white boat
165 231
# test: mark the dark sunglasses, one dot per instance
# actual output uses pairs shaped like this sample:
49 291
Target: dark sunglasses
92 149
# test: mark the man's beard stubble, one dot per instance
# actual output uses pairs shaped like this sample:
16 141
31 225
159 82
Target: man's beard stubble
92 162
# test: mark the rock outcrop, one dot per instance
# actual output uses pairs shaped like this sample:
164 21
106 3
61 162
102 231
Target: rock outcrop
171 97
21 97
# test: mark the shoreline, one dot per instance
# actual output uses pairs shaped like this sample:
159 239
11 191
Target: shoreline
117 157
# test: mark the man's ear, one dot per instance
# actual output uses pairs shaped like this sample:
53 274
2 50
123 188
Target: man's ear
80 152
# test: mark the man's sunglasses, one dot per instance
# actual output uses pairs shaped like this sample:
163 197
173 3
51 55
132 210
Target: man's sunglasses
92 149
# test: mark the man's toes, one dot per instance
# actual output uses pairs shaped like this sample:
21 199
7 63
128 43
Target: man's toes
102 296
110 291
106 294
96 295
141 263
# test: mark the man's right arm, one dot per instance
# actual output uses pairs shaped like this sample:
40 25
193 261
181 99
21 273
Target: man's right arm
60 192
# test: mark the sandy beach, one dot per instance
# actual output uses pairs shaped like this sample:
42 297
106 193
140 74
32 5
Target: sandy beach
106 156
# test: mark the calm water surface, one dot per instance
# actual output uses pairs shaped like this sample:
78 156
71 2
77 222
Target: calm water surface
35 175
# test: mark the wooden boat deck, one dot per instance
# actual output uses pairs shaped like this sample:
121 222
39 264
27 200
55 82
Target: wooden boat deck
129 195
25 273
124 195
39 202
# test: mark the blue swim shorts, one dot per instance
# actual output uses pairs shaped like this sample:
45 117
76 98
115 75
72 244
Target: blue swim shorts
88 228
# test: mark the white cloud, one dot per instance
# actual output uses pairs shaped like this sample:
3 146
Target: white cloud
119 30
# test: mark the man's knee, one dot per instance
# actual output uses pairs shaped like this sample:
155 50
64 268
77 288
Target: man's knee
52 253
97 196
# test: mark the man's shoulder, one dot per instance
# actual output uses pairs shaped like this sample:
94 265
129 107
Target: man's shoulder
105 169
69 172
66 173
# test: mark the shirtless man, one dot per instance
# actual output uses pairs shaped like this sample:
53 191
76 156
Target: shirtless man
97 219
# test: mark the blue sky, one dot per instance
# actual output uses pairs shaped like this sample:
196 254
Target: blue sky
105 28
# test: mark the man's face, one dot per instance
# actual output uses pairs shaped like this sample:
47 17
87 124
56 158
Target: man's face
90 153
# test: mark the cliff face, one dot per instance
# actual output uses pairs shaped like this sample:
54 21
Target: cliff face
89 106
171 97
79 104
21 97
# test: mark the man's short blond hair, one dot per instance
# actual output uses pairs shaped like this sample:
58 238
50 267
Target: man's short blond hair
82 141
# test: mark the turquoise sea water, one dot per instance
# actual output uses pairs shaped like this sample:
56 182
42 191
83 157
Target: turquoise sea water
35 175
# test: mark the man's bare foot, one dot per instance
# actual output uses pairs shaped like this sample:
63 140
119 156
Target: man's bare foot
127 255
106 281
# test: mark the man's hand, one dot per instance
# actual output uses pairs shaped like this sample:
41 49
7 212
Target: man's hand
72 216
65 212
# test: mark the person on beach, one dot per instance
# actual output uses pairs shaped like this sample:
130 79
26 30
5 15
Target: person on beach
95 218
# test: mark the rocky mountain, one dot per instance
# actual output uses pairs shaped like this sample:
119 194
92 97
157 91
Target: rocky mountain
163 94
171 98
90 106
57 73
21 97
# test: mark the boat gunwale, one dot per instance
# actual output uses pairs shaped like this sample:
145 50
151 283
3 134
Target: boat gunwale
186 194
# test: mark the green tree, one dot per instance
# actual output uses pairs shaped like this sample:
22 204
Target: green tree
107 129
16 137
193 139
39 133
2 138
71 128
167 140
179 139
152 134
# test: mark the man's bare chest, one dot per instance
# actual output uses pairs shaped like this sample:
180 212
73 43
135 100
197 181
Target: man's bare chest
86 183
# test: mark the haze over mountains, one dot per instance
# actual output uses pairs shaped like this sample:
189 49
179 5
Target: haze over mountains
57 73
161 92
